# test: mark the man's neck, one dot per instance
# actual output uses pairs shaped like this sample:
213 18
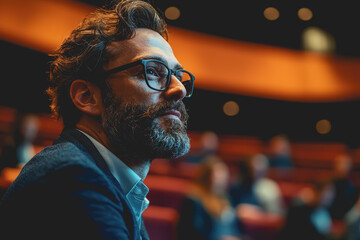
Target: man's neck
94 129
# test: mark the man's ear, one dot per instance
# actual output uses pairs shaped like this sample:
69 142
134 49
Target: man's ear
86 96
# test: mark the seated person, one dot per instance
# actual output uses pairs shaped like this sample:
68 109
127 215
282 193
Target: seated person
254 188
279 152
206 213
307 216
209 142
346 193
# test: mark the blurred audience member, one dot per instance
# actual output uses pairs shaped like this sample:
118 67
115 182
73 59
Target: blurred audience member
346 193
279 152
206 213
307 217
18 148
29 128
253 187
352 222
209 142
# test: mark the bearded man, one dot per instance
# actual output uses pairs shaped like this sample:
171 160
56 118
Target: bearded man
118 88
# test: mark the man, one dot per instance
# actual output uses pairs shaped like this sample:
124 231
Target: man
118 88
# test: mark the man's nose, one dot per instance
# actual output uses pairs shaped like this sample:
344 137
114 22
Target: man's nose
176 90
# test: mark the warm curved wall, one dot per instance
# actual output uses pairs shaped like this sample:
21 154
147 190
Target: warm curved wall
219 64
264 71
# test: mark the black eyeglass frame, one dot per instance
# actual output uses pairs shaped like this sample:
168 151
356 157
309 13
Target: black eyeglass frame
144 62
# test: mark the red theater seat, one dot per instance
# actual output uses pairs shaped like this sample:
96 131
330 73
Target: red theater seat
161 222
257 225
290 190
300 174
166 191
316 154
233 147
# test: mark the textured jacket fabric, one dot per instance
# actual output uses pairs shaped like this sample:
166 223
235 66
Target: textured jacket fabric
67 192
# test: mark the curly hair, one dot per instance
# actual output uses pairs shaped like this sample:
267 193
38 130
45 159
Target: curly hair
84 53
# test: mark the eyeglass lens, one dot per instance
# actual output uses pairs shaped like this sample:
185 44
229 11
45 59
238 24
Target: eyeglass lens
158 75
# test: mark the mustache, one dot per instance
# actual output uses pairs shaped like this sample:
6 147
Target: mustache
159 109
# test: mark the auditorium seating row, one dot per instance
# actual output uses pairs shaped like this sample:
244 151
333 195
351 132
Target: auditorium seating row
168 191
231 147
303 154
307 175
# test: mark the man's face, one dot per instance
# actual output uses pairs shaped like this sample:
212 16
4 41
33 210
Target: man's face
141 122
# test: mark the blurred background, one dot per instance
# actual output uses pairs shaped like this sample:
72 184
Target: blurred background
263 69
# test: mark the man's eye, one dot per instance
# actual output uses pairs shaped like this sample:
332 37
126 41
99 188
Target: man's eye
151 71
180 75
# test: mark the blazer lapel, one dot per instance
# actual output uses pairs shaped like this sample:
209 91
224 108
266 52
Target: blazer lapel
84 142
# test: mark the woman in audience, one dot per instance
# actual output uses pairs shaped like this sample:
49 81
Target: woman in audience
206 213
254 188
257 199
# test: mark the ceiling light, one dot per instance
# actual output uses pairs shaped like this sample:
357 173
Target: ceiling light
305 14
323 126
172 13
231 108
271 13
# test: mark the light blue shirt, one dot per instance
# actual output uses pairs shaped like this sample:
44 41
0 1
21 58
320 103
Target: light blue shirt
134 189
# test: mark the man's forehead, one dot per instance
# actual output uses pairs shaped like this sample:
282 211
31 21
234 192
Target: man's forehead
144 44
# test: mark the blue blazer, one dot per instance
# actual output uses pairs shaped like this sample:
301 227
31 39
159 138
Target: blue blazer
67 192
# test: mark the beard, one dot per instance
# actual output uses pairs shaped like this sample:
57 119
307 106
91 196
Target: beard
136 132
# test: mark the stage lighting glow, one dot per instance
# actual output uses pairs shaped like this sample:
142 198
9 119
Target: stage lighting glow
316 39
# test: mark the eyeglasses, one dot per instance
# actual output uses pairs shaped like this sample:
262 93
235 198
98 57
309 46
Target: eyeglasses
158 75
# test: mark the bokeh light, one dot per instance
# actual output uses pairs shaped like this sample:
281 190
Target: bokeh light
231 108
305 14
323 126
172 13
271 13
316 39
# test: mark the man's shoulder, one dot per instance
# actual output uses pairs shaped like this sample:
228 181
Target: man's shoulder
61 163
60 155
63 151
55 158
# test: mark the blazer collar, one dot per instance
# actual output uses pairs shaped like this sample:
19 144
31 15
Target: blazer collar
80 140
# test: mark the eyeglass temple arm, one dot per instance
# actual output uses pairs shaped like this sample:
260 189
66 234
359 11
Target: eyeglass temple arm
123 67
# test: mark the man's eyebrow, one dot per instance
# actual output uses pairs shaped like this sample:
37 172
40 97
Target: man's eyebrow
176 67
